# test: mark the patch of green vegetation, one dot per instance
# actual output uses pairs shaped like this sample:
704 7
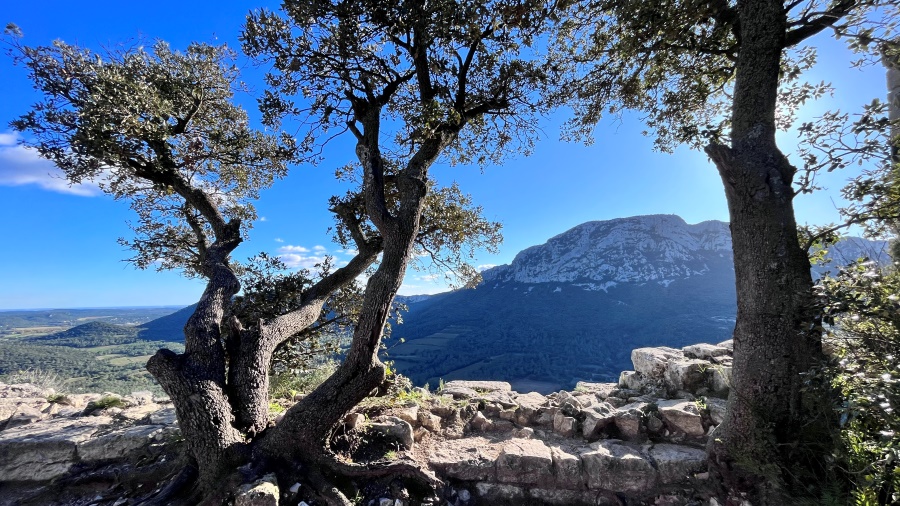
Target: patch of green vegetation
276 408
59 398
286 385
106 402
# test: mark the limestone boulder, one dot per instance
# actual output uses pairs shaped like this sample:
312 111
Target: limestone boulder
263 492
615 466
652 362
566 469
524 461
628 420
395 428
687 374
631 380
720 379
429 421
676 463
682 417
564 425
596 418
529 407
716 408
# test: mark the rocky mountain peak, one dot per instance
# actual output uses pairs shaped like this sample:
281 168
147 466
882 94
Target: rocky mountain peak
637 249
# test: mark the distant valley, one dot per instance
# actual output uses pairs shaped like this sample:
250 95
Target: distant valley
105 350
569 310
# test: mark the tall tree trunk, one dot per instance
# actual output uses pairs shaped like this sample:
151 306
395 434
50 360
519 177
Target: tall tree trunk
775 336
195 380
304 431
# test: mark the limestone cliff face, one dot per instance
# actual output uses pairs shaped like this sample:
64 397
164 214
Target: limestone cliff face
601 254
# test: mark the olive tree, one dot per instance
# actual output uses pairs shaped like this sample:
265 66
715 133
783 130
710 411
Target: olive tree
411 82
158 129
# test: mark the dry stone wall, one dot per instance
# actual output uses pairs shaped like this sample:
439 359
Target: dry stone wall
640 440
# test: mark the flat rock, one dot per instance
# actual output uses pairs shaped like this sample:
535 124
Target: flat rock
164 416
601 390
22 415
652 362
704 351
470 459
614 466
677 462
45 450
682 416
524 461
121 443
481 386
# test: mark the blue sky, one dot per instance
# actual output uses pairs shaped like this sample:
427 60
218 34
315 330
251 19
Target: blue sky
58 246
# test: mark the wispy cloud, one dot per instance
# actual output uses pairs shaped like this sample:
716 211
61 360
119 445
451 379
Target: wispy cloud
20 166
319 248
263 218
298 257
279 239
484 267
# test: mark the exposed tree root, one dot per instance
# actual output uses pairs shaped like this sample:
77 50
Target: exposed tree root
403 469
176 492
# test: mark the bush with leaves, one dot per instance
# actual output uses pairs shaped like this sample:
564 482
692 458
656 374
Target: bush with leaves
862 308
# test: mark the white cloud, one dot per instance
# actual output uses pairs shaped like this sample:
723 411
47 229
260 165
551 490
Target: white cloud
292 249
429 277
297 257
263 218
20 166
279 239
296 261
319 248
484 267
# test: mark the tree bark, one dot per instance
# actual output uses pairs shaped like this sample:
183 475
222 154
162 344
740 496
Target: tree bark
195 380
775 337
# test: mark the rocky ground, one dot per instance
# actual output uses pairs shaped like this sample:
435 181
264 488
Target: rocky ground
638 441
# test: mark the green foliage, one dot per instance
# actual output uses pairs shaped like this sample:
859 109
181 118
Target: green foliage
151 126
862 307
285 385
106 402
432 69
